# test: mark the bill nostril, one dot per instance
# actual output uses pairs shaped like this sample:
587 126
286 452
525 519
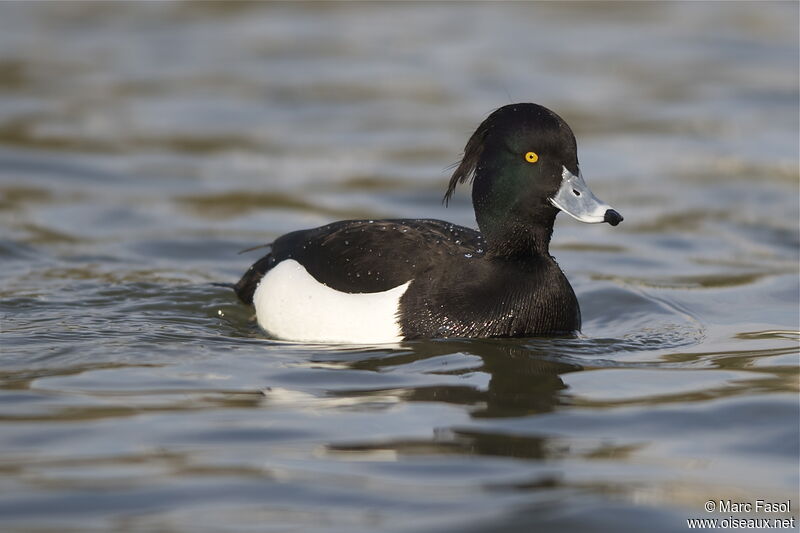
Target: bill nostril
576 192
612 217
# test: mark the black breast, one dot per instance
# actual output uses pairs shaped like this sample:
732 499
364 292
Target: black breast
491 297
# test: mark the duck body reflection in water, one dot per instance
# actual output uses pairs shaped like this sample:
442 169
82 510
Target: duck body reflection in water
524 379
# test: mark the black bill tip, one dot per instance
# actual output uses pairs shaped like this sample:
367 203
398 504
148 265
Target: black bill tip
612 217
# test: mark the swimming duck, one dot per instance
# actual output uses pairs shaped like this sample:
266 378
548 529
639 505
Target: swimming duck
382 281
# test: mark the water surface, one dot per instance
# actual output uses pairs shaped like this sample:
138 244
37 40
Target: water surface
142 146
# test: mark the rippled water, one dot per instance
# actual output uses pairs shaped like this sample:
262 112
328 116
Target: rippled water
143 145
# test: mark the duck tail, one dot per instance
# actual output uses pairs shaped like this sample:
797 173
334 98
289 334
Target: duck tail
246 287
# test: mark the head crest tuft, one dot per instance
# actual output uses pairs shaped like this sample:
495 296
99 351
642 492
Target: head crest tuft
465 171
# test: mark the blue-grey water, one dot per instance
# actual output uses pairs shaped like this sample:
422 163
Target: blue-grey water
143 145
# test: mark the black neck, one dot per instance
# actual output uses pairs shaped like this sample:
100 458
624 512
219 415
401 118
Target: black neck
518 238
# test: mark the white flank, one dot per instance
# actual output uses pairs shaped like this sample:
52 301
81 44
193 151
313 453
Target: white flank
292 305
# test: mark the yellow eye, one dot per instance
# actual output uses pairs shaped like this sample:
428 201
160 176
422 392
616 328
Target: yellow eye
531 157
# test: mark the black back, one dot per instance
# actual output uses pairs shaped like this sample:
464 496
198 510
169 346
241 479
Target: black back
360 256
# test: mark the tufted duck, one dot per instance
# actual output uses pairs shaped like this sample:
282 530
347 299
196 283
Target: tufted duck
365 281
